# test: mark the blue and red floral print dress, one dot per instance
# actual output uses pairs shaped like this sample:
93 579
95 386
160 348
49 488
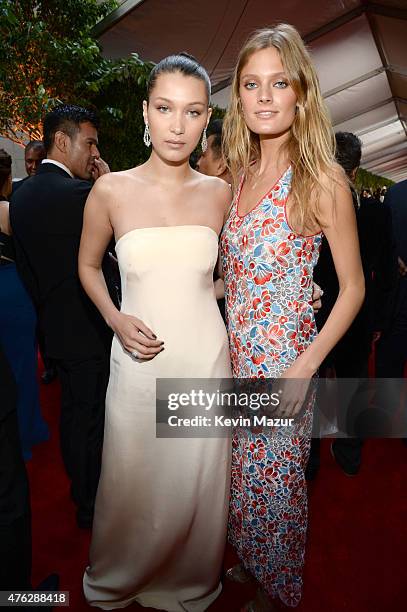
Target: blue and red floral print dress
268 285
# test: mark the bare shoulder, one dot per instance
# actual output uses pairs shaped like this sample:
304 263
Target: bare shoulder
334 185
217 189
210 182
132 174
335 196
104 184
109 181
110 185
333 179
132 179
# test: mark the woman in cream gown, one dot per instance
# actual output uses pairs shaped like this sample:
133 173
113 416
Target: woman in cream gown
162 503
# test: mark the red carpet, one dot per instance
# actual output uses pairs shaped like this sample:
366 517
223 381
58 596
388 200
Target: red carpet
357 539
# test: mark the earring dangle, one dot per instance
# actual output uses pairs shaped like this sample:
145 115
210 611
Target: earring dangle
147 137
204 141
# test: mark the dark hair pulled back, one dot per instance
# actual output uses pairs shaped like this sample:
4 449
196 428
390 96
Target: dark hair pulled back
184 63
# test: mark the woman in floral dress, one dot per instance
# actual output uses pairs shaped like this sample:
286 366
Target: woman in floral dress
279 144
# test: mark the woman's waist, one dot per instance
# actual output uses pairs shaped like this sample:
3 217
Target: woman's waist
191 327
265 305
185 355
173 310
279 329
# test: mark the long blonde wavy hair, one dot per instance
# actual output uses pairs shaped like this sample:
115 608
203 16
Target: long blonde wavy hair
311 143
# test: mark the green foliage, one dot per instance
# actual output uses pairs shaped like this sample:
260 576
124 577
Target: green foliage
119 96
217 112
47 55
367 179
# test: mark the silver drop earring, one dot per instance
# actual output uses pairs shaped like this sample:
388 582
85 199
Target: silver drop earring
204 141
147 137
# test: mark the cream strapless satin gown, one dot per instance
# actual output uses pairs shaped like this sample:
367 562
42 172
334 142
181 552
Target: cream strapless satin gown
161 509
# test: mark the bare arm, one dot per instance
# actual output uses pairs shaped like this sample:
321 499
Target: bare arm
339 224
5 218
219 288
226 203
96 235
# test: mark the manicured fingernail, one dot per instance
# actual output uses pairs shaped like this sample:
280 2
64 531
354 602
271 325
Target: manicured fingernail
155 337
162 348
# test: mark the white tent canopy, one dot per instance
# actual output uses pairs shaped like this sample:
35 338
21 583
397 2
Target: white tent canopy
359 48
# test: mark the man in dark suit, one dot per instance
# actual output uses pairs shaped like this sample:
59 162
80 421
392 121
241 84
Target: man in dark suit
34 153
46 215
392 347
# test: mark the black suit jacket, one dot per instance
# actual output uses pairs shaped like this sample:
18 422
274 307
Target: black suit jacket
396 200
17 184
379 261
46 215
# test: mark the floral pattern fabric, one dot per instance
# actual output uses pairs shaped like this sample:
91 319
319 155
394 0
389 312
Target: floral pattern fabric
268 289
